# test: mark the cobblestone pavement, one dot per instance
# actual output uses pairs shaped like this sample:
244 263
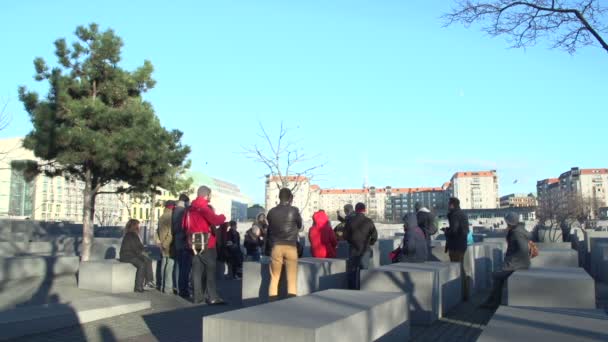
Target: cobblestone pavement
174 319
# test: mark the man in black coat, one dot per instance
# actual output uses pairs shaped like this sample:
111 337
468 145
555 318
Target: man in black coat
360 233
517 257
456 239
183 254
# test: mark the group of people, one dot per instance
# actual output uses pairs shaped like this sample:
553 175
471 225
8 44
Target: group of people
190 235
193 238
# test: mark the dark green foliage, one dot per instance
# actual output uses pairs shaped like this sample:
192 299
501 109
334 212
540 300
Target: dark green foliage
94 124
94 118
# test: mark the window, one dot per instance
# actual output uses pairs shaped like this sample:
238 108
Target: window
141 213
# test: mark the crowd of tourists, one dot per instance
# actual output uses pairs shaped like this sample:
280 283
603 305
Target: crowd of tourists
193 239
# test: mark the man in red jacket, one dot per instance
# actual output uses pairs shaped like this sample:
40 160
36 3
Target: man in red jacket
198 222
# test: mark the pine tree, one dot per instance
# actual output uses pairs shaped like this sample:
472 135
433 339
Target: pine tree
94 125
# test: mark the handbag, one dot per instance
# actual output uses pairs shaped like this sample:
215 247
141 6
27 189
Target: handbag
394 255
533 249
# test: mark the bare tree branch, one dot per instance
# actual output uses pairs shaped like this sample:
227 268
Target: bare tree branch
284 160
569 24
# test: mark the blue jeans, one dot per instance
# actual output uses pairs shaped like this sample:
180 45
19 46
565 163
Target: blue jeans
255 256
167 266
184 266
355 264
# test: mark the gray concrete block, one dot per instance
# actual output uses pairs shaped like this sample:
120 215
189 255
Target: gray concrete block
565 287
602 250
596 253
332 316
39 319
22 267
109 276
385 246
10 248
591 257
438 253
554 245
556 257
342 250
450 282
375 255
496 251
545 324
422 285
478 264
313 275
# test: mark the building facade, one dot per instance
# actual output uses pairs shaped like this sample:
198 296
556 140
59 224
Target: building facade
585 189
387 204
47 198
476 189
403 201
518 201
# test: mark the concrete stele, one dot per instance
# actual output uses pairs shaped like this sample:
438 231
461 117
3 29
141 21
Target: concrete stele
331 315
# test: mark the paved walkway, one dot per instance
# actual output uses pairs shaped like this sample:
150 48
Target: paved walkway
175 319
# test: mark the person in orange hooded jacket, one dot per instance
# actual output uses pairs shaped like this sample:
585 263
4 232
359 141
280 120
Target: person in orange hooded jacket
322 238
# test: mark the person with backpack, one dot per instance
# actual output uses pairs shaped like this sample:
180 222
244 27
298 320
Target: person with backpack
165 238
426 222
360 233
199 219
517 257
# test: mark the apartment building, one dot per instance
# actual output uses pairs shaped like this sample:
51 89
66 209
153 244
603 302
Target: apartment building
518 201
388 203
587 186
47 198
476 189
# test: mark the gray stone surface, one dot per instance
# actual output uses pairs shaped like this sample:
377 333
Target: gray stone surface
595 253
478 263
564 287
591 256
10 248
438 252
342 250
546 324
109 276
375 255
450 283
556 257
22 267
37 319
313 275
496 252
602 250
422 285
332 315
386 246
554 245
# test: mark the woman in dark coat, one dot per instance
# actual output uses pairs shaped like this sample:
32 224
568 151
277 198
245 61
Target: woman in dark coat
132 251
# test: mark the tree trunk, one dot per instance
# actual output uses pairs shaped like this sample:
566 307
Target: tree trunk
88 217
152 229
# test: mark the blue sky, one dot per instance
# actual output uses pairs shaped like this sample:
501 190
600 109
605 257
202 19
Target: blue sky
376 83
